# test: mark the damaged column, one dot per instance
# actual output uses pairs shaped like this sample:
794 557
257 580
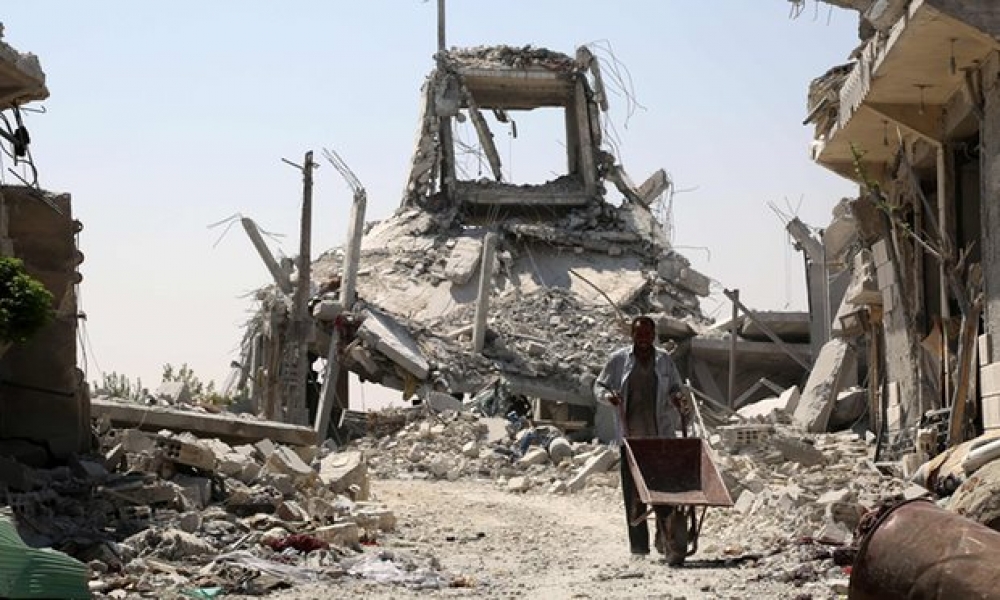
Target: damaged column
485 285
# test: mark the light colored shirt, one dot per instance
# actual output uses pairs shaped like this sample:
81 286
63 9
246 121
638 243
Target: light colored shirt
617 376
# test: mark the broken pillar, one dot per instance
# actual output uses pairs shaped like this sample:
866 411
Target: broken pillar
825 381
485 286
352 254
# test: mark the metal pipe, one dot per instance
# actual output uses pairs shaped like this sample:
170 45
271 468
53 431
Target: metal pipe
917 551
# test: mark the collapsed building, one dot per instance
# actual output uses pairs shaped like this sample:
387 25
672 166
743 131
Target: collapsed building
476 281
913 280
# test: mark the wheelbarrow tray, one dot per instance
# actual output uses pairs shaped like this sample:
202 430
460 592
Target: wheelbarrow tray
677 471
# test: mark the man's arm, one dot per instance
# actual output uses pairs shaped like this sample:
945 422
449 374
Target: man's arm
606 388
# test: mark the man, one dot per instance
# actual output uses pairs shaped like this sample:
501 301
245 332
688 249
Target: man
642 383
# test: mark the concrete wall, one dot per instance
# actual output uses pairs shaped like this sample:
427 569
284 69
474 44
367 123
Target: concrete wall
983 15
42 398
990 207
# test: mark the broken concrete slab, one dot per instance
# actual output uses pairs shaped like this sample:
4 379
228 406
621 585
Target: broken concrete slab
463 262
825 381
599 462
229 428
390 338
284 461
341 471
174 393
789 326
186 453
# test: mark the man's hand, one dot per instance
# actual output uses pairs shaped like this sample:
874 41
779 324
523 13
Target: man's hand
614 398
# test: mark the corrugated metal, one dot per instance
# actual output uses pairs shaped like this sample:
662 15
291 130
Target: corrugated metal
38 573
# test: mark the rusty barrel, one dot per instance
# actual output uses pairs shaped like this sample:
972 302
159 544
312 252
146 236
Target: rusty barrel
917 551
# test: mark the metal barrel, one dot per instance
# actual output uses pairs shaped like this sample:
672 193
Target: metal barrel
917 551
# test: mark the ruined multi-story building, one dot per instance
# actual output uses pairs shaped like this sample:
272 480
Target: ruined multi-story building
914 119
479 279
44 409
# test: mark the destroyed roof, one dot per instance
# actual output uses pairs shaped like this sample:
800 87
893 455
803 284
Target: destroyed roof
21 77
510 57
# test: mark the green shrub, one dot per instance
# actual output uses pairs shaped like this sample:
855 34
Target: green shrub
25 304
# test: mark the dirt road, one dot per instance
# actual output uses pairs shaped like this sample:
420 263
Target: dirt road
498 544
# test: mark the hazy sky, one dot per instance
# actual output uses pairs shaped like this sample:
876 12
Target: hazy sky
167 117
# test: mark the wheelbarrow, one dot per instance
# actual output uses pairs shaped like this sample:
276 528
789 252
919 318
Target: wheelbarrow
679 475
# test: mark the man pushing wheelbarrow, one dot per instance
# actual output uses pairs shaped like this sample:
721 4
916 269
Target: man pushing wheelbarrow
659 473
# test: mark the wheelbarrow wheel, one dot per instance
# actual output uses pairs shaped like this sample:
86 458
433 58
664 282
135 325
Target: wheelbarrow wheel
672 536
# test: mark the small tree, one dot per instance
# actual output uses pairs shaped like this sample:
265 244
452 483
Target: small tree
25 304
116 385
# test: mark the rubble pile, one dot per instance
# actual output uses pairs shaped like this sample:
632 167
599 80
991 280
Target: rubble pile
790 486
459 445
173 512
513 57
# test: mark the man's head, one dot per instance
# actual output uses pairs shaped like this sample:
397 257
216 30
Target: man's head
643 334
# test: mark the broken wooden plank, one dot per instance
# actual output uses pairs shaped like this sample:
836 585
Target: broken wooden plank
228 428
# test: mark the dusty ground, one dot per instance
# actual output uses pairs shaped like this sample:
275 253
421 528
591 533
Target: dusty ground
506 545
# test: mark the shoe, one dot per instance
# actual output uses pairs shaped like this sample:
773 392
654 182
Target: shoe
640 551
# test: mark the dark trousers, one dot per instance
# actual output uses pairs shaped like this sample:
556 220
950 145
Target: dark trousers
638 535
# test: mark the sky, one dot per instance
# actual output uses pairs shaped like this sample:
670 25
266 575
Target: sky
166 118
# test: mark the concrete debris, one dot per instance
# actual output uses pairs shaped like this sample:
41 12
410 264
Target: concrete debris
825 382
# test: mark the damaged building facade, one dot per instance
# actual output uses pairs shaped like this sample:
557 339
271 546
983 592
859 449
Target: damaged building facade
45 409
912 285
482 281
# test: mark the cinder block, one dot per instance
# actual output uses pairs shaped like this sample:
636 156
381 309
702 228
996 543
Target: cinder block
991 412
888 299
985 350
880 253
989 379
886 275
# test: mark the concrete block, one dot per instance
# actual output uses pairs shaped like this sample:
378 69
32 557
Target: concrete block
380 518
985 350
834 533
341 470
534 456
889 299
880 253
824 383
471 449
694 281
841 495
599 462
463 262
798 451
991 412
174 392
187 453
745 502
289 510
341 534
989 379
265 448
791 398
441 402
393 340
894 417
519 484
284 461
885 275
136 441
197 491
